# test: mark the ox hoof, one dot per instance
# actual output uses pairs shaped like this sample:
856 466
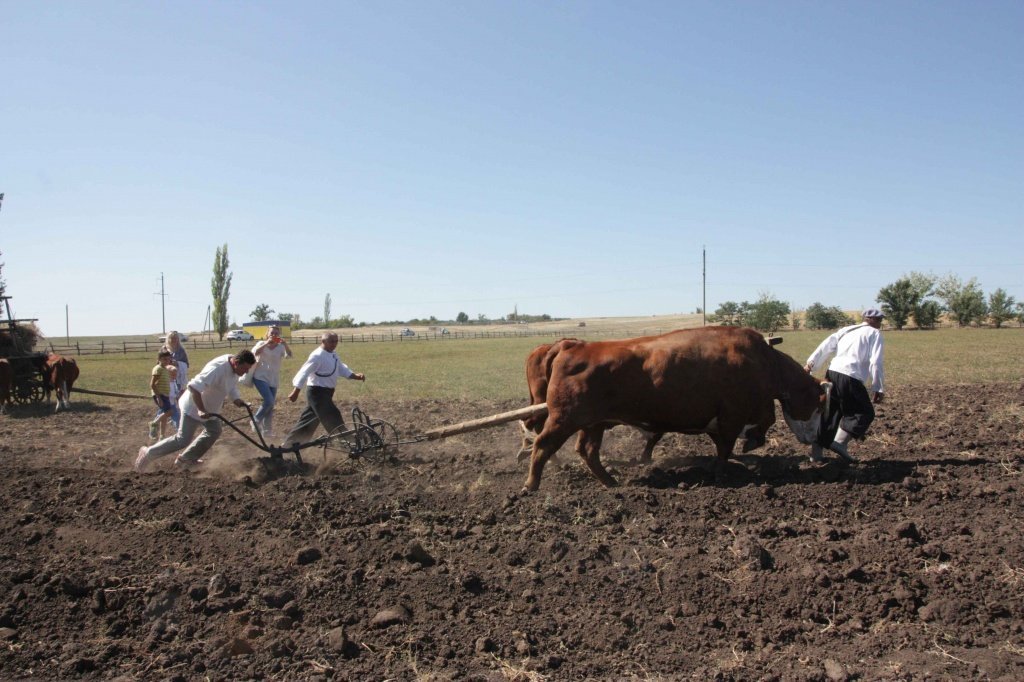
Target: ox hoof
752 444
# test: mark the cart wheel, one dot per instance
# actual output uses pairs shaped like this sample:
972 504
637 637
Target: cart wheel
28 392
361 441
387 432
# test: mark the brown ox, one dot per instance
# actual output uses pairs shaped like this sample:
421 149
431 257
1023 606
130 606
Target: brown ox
721 381
538 372
6 384
61 373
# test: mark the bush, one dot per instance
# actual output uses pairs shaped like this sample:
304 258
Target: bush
927 314
817 316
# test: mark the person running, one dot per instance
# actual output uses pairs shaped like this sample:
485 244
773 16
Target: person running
857 364
269 353
204 396
160 387
319 374
180 356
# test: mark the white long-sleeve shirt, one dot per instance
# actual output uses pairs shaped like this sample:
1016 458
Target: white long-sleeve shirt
268 362
858 354
323 368
216 383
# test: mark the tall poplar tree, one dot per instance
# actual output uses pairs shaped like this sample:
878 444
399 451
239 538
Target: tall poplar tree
221 288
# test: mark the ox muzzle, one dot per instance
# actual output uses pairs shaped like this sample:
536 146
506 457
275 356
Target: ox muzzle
809 431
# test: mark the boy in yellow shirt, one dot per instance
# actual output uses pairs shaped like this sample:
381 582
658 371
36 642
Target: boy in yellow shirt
160 386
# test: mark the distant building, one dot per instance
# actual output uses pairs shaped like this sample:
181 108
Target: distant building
259 329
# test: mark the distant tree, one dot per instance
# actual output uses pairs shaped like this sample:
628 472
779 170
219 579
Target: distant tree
927 314
220 285
818 316
1000 307
316 323
291 319
729 313
1020 313
965 301
344 321
768 314
327 310
899 300
261 313
462 318
481 318
3 284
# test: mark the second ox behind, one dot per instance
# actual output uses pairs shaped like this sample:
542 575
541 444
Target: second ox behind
721 381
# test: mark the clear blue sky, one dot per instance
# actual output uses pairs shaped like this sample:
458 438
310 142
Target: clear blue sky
572 158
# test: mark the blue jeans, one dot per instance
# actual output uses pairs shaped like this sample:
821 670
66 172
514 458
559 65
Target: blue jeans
265 415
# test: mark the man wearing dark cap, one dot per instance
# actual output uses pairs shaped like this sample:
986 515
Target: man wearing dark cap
856 366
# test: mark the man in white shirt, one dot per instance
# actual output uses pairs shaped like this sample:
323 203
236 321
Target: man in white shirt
319 374
204 395
856 366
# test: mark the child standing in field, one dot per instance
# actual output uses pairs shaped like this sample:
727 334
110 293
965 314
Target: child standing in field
160 386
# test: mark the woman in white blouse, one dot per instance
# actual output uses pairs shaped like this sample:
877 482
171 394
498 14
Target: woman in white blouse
266 376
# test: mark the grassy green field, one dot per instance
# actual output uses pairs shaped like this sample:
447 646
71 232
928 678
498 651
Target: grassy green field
493 368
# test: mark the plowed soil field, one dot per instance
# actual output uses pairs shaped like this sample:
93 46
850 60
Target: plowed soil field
907 565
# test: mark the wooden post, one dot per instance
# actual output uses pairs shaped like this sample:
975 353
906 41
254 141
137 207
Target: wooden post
484 422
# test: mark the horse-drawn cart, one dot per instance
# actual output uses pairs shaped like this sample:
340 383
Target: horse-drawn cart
28 369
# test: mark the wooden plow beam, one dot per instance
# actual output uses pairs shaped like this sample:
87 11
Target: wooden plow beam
483 422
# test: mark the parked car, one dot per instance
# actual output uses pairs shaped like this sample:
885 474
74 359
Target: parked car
238 335
444 330
407 332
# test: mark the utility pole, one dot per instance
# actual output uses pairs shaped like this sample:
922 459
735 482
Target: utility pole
704 284
67 325
163 313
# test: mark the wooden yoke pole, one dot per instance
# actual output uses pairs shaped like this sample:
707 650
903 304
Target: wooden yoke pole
75 389
484 422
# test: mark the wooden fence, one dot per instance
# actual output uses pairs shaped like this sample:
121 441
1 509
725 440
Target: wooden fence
147 346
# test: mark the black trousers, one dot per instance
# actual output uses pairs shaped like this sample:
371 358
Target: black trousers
320 409
850 408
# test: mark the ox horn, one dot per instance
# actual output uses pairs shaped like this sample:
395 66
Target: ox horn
827 387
